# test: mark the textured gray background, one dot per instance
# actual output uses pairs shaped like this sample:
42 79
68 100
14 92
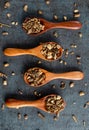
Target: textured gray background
18 38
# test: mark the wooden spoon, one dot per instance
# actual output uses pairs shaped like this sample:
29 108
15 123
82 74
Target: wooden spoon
34 51
40 103
73 25
74 75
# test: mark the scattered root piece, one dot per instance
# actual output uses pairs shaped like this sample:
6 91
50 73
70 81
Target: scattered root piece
56 117
53 86
7 4
2 75
74 118
81 93
5 33
84 123
39 62
66 52
36 93
64 62
47 2
13 73
80 34
76 13
41 115
60 61
25 8
86 104
8 15
71 84
20 92
19 116
75 4
78 57
55 34
14 23
6 25
6 64
73 45
55 17
5 82
62 85
25 116
65 18
2 106
72 53
40 12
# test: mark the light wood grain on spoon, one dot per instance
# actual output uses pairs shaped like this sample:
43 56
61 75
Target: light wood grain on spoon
34 51
73 75
40 103
73 25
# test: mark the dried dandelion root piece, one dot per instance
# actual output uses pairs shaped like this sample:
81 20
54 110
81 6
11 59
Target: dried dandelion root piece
54 104
6 25
2 75
41 115
32 25
35 76
74 118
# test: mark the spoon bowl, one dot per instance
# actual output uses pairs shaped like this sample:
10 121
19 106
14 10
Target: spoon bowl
34 51
73 25
47 76
40 103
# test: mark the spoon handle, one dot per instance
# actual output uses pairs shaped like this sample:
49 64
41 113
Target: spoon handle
14 103
69 25
75 75
15 51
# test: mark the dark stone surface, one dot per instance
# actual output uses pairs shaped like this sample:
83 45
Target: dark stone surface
18 38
